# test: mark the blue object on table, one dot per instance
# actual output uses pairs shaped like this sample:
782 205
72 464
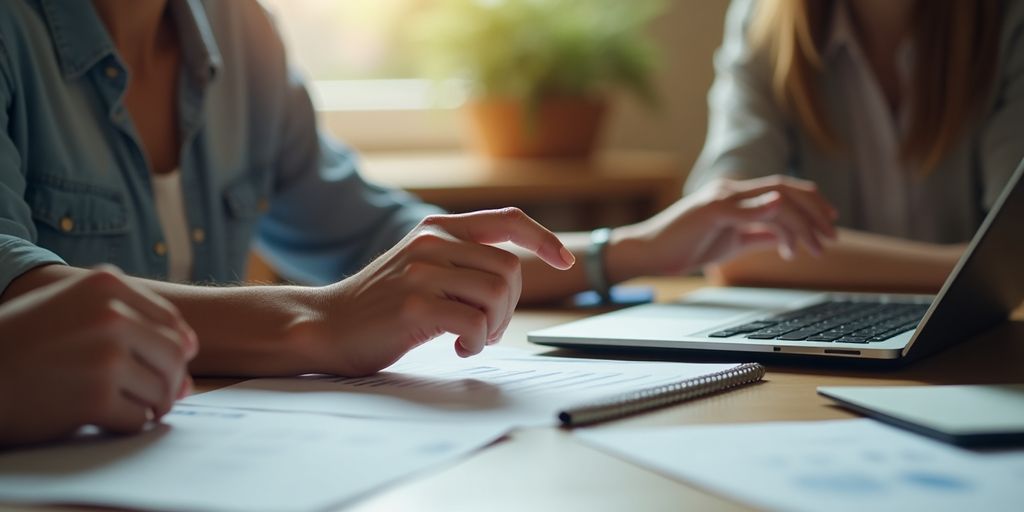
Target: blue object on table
619 296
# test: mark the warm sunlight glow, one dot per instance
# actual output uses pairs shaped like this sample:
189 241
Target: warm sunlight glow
346 39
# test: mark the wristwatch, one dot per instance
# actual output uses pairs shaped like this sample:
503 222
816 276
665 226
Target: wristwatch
594 265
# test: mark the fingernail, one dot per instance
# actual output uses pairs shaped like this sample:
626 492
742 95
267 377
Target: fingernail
567 256
786 252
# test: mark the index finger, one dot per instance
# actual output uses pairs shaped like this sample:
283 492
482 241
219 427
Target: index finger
506 225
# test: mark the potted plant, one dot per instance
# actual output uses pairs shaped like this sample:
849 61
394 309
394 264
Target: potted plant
539 72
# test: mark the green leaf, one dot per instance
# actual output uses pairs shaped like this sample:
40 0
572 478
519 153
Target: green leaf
532 49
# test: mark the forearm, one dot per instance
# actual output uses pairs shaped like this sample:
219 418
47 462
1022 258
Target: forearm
855 261
243 331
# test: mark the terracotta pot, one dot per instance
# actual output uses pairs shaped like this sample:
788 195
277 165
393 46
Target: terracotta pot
562 127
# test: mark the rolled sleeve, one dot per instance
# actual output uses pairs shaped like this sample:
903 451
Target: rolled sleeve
326 222
18 252
748 134
18 256
329 222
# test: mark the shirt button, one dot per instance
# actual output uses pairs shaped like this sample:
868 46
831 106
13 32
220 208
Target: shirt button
160 249
112 72
198 235
66 224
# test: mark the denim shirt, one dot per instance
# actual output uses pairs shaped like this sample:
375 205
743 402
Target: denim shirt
75 183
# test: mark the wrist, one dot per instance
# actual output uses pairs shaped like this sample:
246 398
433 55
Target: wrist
304 330
627 254
594 263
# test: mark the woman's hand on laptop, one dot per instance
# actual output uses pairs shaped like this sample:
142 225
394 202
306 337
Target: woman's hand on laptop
727 217
444 276
91 349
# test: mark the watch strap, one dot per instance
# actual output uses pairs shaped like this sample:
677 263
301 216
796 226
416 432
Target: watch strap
594 263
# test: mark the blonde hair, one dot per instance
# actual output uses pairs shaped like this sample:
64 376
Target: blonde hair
956 44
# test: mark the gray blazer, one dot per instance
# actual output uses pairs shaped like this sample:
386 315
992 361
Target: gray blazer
750 136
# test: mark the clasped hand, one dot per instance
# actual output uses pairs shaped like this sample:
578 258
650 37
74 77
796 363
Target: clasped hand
92 349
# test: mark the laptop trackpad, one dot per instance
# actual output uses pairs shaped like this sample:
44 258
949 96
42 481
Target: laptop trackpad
698 312
648 322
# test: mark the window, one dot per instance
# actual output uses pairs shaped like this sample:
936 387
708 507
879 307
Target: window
362 80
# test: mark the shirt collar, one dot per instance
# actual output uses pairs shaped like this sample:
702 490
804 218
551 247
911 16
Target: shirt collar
79 36
81 40
198 45
843 36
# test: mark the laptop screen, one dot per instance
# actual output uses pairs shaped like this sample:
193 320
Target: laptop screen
988 281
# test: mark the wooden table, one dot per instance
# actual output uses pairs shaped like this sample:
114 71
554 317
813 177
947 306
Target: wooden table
547 469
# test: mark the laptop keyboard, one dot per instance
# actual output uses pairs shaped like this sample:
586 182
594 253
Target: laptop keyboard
834 321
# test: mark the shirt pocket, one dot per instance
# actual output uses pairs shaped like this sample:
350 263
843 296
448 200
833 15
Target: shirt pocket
83 223
245 199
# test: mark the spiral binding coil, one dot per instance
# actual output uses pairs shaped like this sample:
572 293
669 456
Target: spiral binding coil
661 396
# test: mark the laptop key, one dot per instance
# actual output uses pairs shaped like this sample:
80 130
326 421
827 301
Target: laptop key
823 337
752 326
798 335
723 334
840 321
748 327
887 335
852 339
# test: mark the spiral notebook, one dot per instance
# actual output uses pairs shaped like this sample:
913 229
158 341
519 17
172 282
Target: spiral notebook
661 396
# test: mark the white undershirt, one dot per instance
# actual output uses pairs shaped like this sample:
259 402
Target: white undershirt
170 210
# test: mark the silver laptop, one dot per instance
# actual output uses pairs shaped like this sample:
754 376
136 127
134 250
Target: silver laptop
986 285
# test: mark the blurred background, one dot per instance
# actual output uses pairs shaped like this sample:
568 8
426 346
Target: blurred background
408 84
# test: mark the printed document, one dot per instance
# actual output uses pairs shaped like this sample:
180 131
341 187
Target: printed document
202 458
503 385
848 465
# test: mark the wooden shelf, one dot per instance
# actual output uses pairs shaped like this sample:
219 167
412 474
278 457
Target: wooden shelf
460 181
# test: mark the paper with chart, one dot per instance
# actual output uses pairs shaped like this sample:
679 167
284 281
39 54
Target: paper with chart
211 459
503 385
848 465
